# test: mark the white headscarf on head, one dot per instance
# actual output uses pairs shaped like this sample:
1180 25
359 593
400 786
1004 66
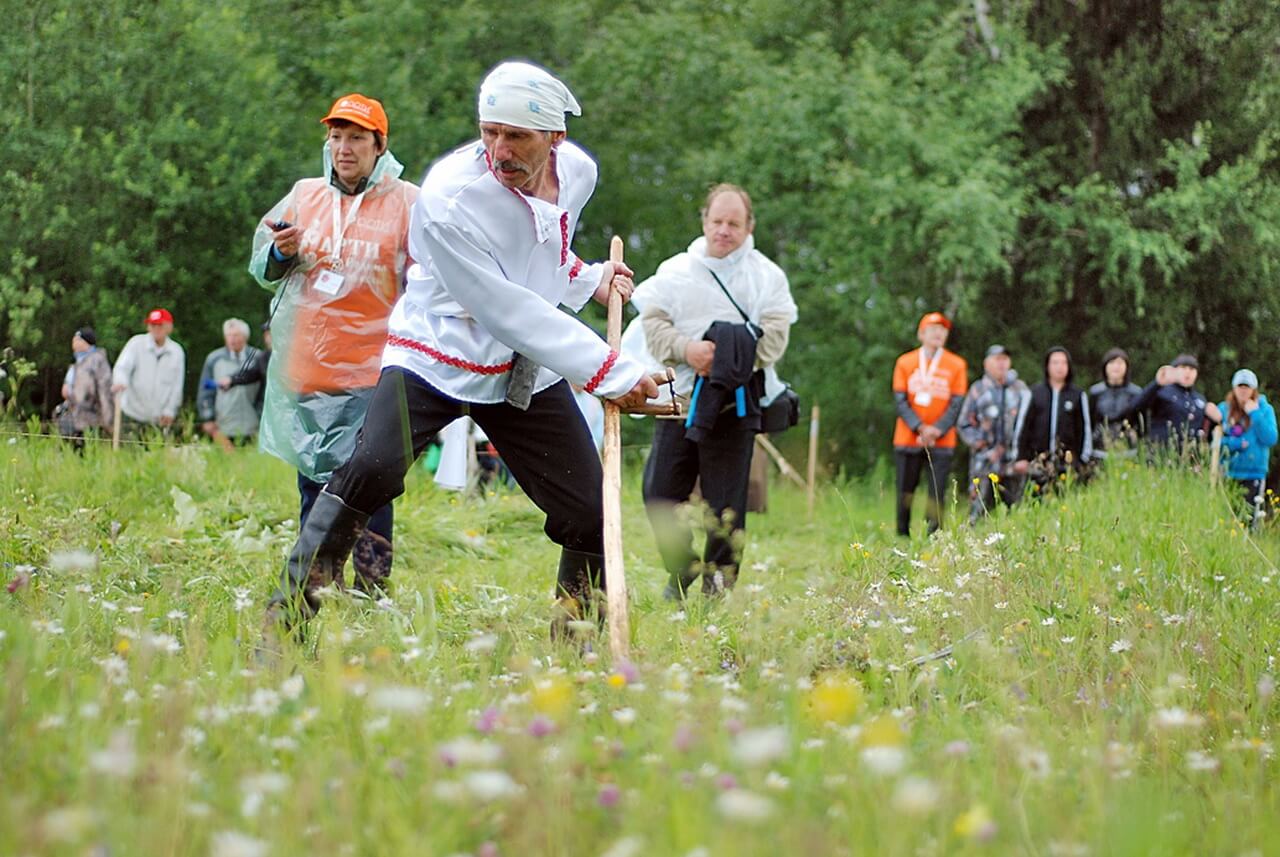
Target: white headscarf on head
527 96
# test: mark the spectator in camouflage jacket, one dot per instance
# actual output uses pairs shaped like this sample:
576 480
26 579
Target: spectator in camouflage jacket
89 398
987 423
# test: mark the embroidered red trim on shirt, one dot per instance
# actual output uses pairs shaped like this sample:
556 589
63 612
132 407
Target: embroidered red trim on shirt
576 269
591 385
457 363
564 238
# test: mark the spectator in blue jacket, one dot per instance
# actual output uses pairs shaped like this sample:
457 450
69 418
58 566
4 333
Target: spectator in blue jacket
1248 433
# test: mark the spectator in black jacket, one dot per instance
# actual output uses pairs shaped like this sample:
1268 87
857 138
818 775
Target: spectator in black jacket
1054 434
1110 402
1178 412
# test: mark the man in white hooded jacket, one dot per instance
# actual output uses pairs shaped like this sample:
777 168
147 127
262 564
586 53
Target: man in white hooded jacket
490 235
720 278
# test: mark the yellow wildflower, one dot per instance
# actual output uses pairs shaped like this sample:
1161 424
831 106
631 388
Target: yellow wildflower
835 698
552 696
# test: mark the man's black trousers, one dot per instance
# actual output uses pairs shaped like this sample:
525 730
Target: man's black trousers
722 462
934 465
548 449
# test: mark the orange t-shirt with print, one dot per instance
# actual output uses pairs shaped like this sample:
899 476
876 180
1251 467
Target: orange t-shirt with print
929 389
337 339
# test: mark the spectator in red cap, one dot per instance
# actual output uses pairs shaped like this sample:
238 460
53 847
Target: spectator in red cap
929 384
335 250
149 374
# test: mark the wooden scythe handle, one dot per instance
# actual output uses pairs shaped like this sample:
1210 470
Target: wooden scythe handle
615 574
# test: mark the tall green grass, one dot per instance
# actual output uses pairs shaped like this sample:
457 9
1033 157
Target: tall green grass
1109 687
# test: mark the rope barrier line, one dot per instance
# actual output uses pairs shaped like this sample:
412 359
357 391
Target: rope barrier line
165 443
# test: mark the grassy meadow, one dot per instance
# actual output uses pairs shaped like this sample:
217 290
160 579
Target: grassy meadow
1110 687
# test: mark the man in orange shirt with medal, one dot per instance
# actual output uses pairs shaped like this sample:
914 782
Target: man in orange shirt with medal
929 384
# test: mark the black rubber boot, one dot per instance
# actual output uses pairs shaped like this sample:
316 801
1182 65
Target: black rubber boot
371 560
580 576
317 558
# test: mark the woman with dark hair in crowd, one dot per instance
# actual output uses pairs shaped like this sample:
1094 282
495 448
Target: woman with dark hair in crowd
1248 433
1109 403
1054 435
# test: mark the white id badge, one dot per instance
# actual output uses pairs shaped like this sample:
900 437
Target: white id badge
923 399
328 282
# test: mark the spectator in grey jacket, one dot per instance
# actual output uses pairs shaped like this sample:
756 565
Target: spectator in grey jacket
228 415
988 422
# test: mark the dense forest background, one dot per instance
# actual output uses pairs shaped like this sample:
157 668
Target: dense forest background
1086 173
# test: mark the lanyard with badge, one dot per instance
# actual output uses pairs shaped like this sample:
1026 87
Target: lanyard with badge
923 398
330 280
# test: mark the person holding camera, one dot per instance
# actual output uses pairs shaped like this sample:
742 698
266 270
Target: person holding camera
721 314
228 416
334 251
1248 433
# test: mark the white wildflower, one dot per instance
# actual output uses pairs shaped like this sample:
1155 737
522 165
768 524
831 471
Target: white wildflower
400 699
267 783
292 687
263 702
481 644
469 751
230 843
1034 762
162 643
1175 718
118 758
885 761
761 746
1198 760
628 846
742 805
915 796
993 539
1120 646
73 560
489 786
625 716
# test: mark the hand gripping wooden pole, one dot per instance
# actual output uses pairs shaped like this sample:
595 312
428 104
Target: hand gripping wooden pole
614 573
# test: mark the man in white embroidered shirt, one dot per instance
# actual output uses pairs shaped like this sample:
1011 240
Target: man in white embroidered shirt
490 235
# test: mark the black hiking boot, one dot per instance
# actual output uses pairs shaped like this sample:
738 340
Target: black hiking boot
316 561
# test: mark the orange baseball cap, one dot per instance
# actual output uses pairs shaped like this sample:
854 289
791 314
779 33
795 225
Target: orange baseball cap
159 315
933 318
365 112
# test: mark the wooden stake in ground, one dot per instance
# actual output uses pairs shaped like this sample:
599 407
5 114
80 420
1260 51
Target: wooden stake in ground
615 574
813 454
115 424
783 465
1215 455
